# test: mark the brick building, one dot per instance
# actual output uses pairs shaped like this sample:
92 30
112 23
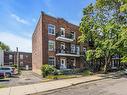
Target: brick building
25 59
55 42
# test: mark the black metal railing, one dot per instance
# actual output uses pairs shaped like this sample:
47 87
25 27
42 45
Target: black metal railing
67 51
67 35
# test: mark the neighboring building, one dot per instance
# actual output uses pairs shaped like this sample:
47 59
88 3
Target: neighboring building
55 42
1 57
25 59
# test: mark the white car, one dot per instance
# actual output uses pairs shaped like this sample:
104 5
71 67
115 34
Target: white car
9 71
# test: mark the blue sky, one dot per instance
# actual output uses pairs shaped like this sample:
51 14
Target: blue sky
18 18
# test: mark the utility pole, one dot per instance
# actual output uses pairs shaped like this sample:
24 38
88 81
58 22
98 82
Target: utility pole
17 55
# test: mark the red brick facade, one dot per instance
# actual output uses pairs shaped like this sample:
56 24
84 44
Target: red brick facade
40 53
25 59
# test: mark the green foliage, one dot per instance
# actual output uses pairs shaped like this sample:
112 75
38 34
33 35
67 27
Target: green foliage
89 55
60 77
99 53
47 70
87 73
105 24
14 65
4 46
124 59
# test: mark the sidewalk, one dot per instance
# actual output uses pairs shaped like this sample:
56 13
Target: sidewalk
46 86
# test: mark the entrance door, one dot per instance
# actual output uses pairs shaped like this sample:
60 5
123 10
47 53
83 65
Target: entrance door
62 63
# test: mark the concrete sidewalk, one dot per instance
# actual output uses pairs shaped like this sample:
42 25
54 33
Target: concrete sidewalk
46 86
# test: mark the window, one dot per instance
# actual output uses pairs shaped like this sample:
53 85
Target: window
51 29
51 60
73 35
78 50
10 56
10 63
62 30
21 63
51 45
21 56
72 48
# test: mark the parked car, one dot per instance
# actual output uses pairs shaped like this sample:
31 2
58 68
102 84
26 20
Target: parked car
2 74
9 71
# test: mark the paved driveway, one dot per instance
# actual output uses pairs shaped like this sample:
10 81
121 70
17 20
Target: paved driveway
26 77
110 86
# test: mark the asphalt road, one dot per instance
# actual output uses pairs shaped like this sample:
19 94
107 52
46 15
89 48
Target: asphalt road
26 77
112 86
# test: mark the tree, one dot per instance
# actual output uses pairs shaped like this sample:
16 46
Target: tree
104 25
4 46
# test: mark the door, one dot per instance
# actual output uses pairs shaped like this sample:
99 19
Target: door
62 32
72 48
62 63
78 50
62 48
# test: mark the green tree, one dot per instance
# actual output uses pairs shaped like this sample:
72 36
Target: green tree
104 25
4 46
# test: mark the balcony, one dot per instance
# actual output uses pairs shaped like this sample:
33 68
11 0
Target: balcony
66 52
65 38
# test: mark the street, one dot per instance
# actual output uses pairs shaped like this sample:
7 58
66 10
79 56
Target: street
26 77
111 86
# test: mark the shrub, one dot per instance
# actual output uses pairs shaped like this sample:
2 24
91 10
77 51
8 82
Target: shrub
14 65
87 72
47 70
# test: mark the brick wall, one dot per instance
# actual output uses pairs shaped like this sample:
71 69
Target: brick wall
40 38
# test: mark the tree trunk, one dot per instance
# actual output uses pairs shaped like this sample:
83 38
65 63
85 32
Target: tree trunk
107 61
105 66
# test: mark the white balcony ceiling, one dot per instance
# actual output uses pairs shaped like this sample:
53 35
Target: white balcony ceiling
64 39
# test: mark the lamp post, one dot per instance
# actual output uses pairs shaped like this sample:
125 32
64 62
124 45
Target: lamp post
17 56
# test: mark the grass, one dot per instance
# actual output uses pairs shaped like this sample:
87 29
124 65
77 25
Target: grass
2 86
87 73
61 76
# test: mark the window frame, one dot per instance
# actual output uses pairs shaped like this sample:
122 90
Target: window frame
52 28
53 60
62 30
10 56
74 35
51 41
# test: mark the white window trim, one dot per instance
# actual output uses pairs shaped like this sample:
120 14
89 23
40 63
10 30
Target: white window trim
21 56
54 60
10 56
63 29
74 35
54 45
78 52
54 29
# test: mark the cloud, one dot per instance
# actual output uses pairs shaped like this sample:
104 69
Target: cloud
14 41
19 19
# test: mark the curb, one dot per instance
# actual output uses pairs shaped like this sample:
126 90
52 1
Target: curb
49 91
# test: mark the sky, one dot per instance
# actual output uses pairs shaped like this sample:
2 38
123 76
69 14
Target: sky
18 18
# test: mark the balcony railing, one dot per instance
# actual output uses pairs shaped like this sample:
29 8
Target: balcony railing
67 52
68 37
